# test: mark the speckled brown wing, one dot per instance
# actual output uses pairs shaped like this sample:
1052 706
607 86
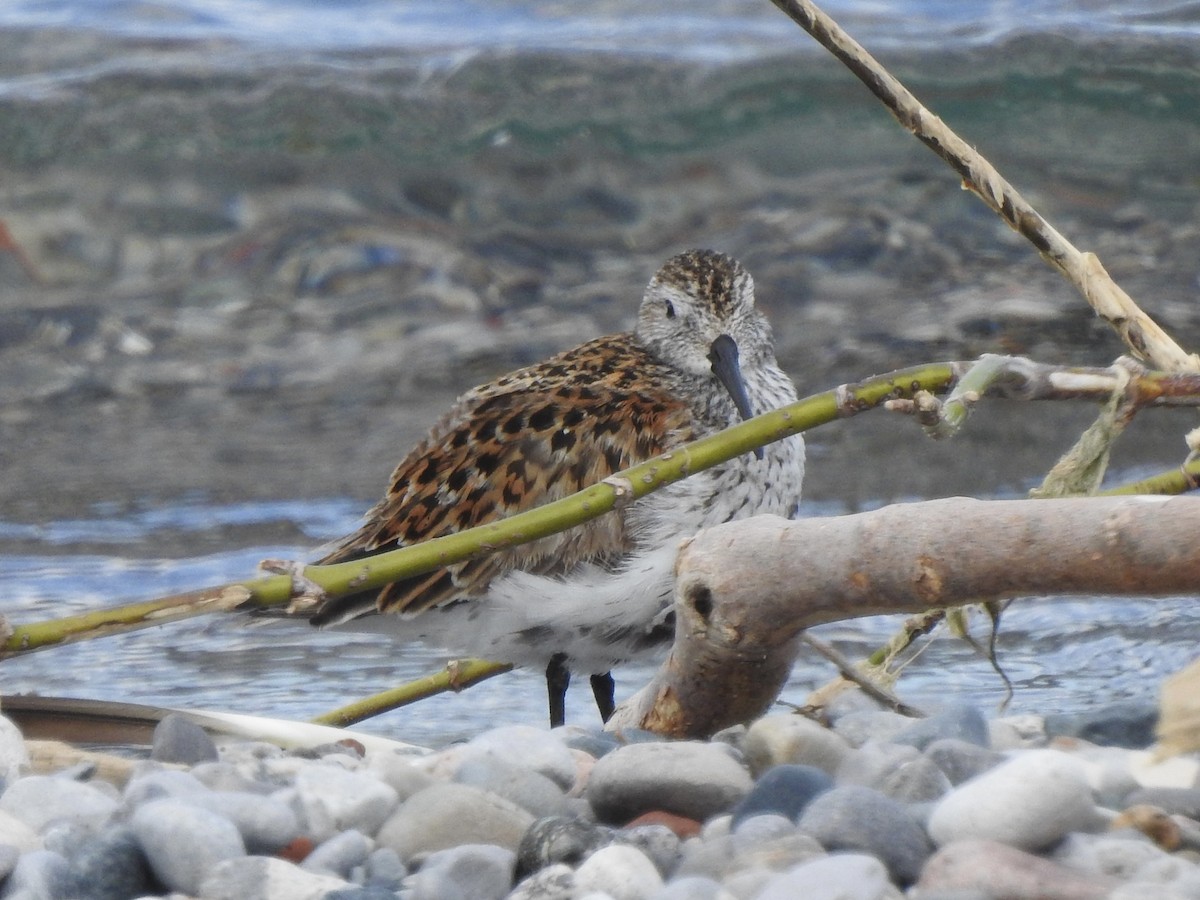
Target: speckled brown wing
527 439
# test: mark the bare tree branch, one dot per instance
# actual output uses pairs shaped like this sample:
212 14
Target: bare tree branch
745 591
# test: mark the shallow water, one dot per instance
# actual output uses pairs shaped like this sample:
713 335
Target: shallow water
722 30
1061 655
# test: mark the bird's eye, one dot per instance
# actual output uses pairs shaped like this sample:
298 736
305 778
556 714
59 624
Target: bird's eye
670 309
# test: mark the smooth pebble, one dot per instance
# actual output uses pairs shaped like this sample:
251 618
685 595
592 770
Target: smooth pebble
859 818
265 878
840 876
1030 802
177 739
998 872
688 778
533 748
328 800
40 799
792 740
478 871
184 842
784 789
620 871
445 815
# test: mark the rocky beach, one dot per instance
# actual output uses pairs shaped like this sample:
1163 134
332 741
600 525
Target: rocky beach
873 806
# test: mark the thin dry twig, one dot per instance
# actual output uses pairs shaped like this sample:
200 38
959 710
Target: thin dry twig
1140 333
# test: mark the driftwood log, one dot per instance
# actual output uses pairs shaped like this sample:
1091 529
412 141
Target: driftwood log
745 591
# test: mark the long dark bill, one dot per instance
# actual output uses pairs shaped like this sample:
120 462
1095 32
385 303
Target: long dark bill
724 358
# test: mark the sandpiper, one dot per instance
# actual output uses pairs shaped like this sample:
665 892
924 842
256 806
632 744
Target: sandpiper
699 359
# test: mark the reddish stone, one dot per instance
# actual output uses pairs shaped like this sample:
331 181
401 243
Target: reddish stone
681 825
297 850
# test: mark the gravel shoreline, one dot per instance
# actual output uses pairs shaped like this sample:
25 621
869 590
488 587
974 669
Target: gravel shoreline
873 806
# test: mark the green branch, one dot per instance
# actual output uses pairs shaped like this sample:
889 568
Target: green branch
457 676
618 490
1024 380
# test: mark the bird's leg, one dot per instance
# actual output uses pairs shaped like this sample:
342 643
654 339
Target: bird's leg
603 689
557 680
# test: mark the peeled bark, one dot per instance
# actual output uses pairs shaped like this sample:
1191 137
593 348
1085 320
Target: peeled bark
746 590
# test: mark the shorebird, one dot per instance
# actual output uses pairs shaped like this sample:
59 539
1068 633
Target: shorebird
699 359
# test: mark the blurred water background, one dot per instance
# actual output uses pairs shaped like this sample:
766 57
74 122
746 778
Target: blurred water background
250 250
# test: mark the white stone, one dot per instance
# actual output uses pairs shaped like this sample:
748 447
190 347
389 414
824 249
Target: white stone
266 878
39 799
328 800
777 739
1029 802
620 871
840 876
14 757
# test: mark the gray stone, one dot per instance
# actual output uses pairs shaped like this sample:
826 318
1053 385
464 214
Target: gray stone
532 748
792 740
525 787
785 790
856 728
556 882
40 799
14 757
998 870
858 818
1119 855
560 839
15 833
691 779
265 878
111 866
842 876
366 892
184 842
658 842
759 829
385 868
693 887
961 760
1029 802
446 815
482 871
224 776
1175 801
38 875
590 741
1125 723
722 857
328 800
916 781
179 740
874 762
960 721
157 784
338 855
8 860
620 871
398 771
748 881
266 825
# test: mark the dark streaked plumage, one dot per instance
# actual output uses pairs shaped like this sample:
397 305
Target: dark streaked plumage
699 359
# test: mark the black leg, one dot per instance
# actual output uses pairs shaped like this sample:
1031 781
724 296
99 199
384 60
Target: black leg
557 679
603 690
